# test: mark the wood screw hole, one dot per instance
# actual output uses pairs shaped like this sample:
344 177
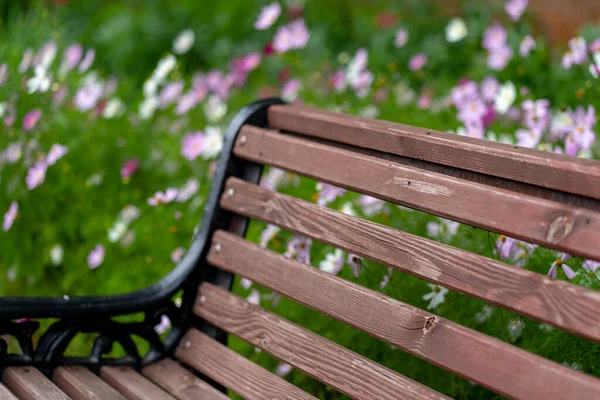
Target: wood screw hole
218 247
243 140
187 344
202 299
230 192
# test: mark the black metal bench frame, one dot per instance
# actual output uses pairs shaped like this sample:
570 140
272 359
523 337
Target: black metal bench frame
95 314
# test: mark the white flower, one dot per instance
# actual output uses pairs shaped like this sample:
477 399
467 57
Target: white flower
117 231
254 297
515 328
595 66
333 262
184 42
484 314
113 108
505 97
213 142
348 209
436 297
246 283
2 109
148 107
164 67
150 87
40 82
456 30
11 273
369 111
215 109
129 213
56 254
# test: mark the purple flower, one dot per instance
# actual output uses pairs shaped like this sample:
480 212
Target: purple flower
515 8
163 325
267 234
267 17
88 96
401 38
494 37
464 93
526 46
57 151
577 53
591 265
417 62
505 246
489 89
129 168
560 262
537 114
299 247
13 153
583 123
96 257
169 94
386 279
371 206
498 58
528 138
31 119
283 369
10 216
473 111
87 61
355 262
163 198
328 193
36 174
192 145
246 283
571 147
71 57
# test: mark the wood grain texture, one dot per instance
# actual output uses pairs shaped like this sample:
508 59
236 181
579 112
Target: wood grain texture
80 383
132 385
497 365
233 371
569 174
547 223
5 394
180 382
334 365
516 289
27 383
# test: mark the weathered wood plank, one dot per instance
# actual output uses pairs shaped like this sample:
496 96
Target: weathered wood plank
5 394
27 383
497 365
334 365
516 289
547 223
180 382
570 174
132 385
233 371
80 383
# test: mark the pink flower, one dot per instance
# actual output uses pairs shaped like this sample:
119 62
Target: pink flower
188 190
515 8
289 91
88 96
192 145
169 94
560 262
417 62
577 53
472 111
71 57
494 37
36 174
177 254
129 168
489 89
10 216
583 123
401 38
163 198
338 81
57 151
498 58
526 46
355 262
528 138
294 35
31 119
96 257
87 61
537 114
267 17
283 369
299 247
26 61
595 46
464 93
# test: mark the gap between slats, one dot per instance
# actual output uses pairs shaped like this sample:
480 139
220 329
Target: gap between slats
544 222
513 288
490 362
540 168
233 371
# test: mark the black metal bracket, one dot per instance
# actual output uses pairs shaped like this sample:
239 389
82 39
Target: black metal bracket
96 314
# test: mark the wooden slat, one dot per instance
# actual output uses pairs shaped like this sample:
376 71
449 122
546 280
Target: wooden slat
132 385
180 382
490 362
233 371
5 394
547 223
555 171
516 289
334 365
81 384
27 383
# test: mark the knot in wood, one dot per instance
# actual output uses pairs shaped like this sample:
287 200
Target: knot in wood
559 229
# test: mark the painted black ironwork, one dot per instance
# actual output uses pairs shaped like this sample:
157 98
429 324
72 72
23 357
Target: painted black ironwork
96 315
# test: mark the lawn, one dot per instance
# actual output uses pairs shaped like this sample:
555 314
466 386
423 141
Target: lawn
112 118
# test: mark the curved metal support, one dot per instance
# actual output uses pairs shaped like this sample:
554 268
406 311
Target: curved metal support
94 314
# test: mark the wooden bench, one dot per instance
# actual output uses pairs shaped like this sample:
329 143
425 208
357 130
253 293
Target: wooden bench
539 197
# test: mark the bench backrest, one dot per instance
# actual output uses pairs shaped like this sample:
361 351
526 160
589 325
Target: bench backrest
543 198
